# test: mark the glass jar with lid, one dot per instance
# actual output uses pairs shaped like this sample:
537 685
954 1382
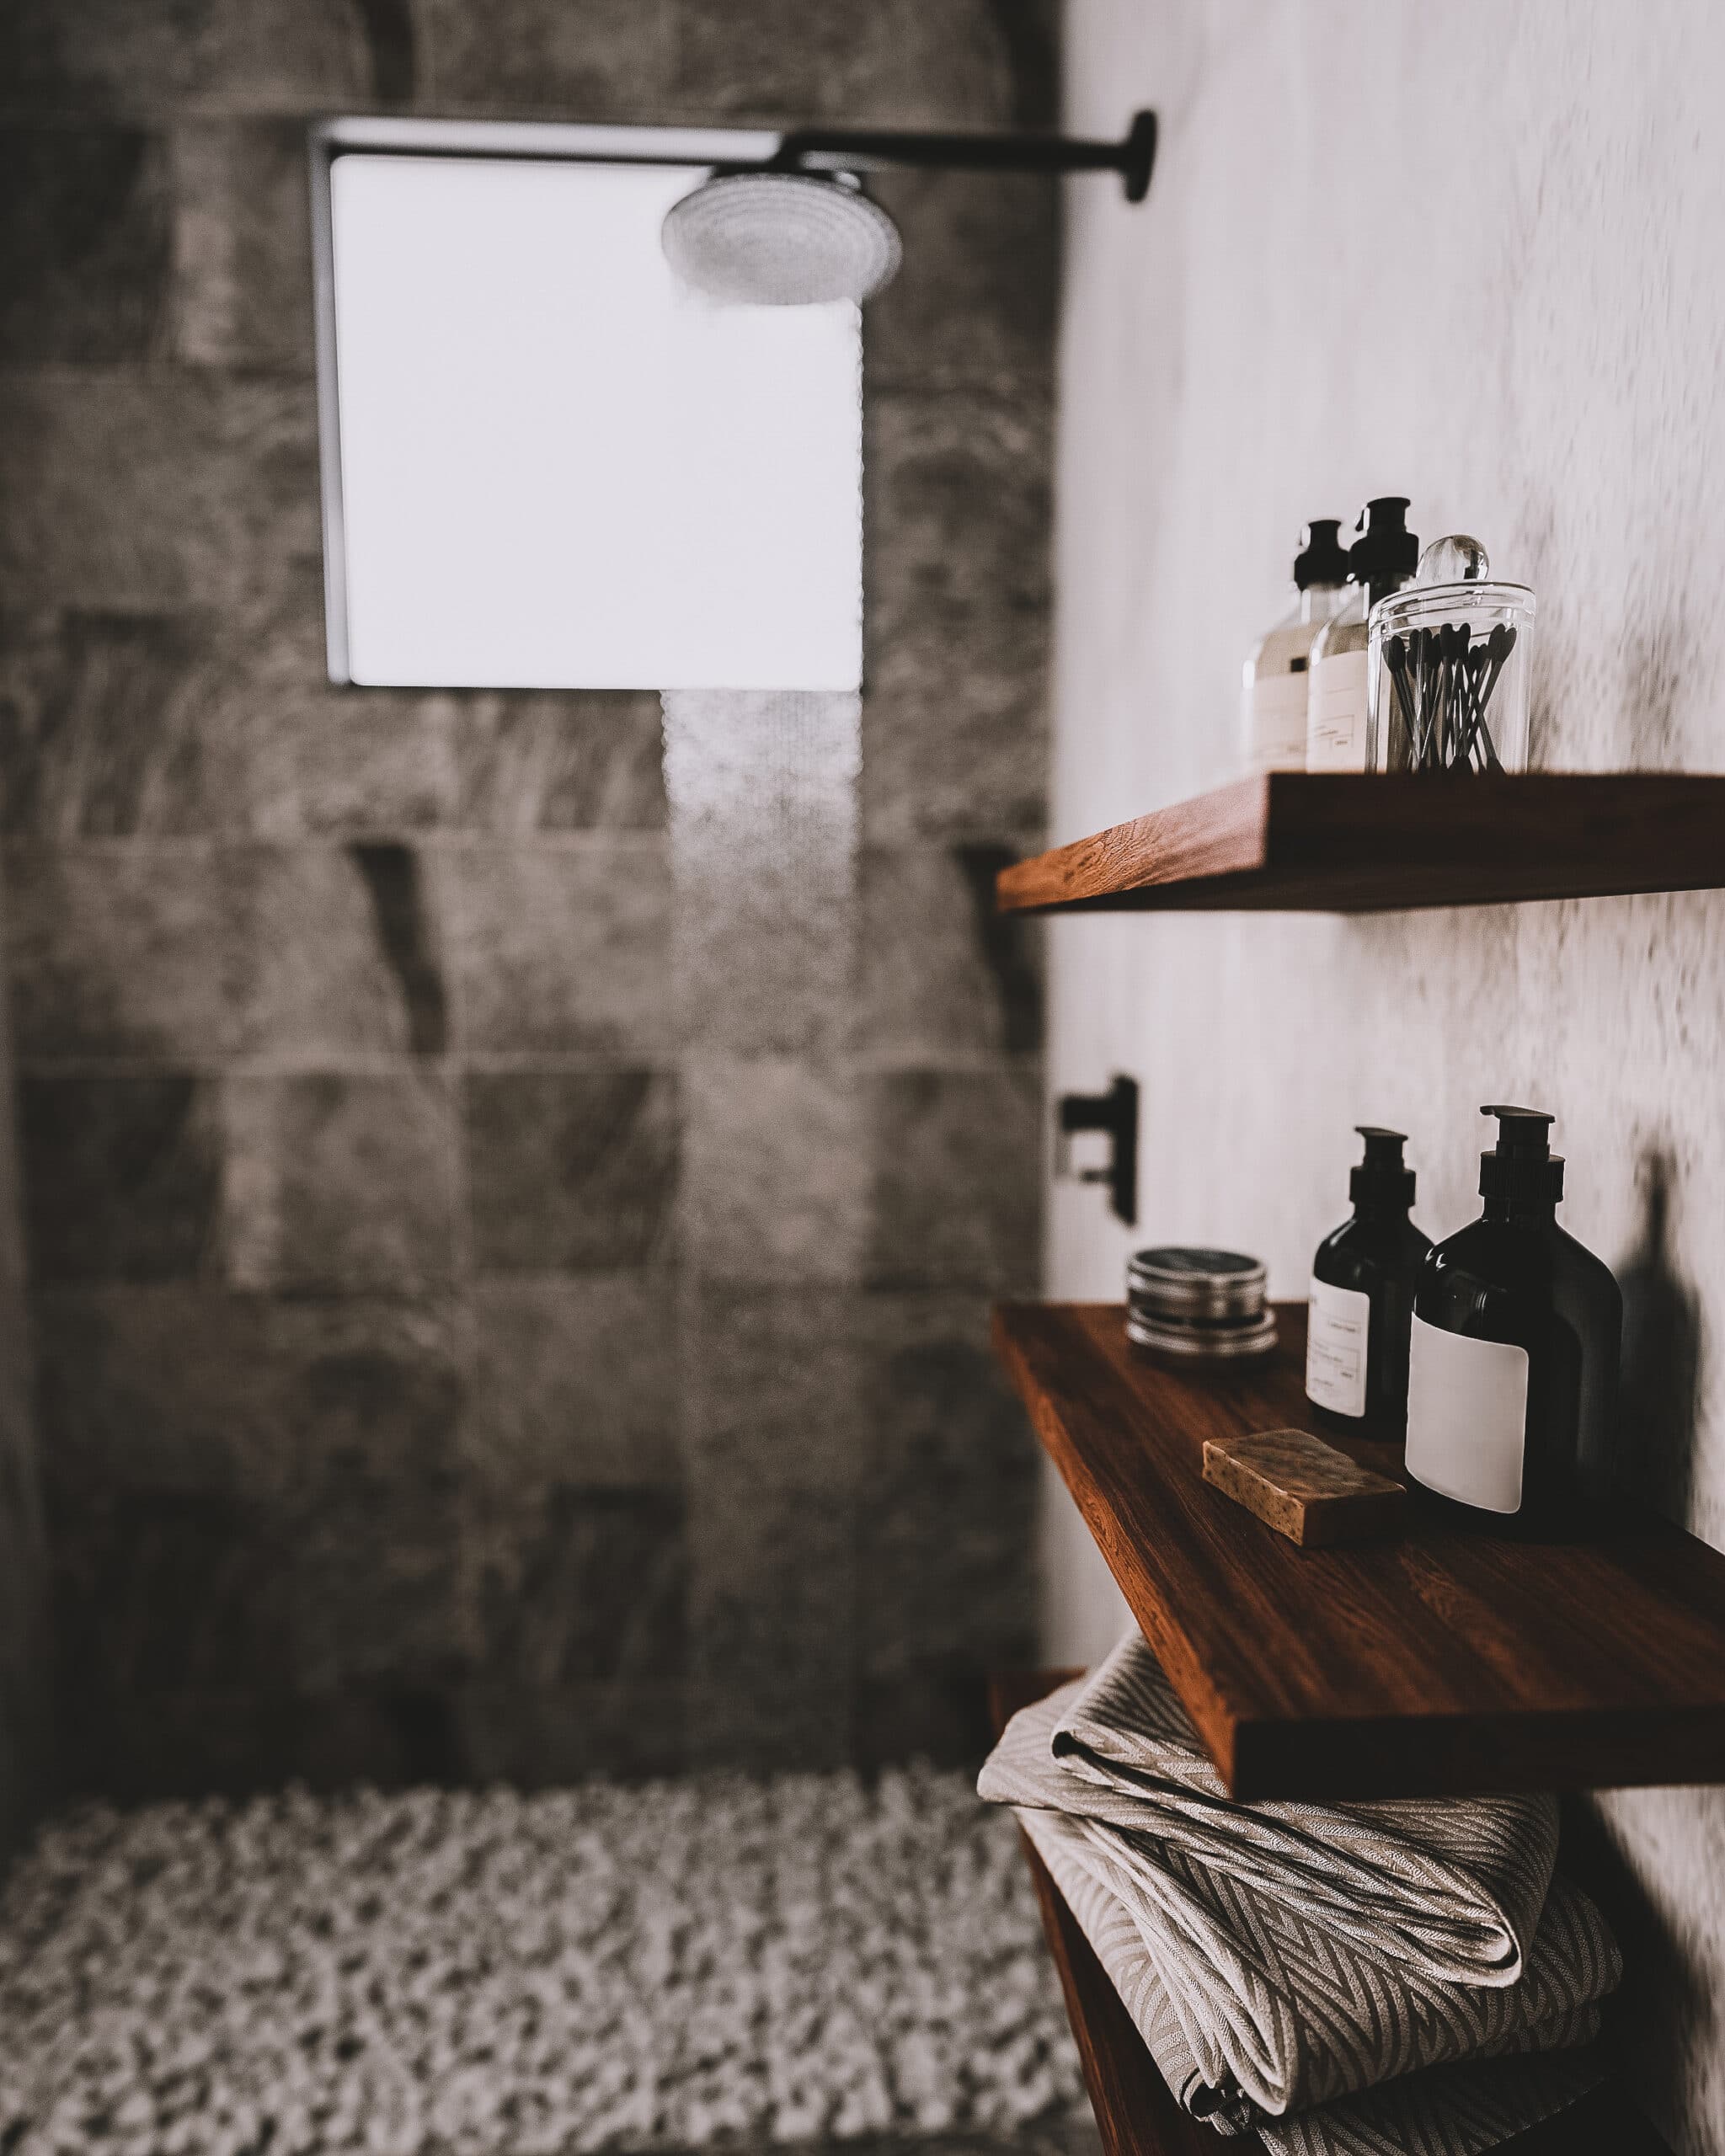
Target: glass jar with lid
1448 668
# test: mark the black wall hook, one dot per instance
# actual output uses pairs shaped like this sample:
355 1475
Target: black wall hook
1115 1114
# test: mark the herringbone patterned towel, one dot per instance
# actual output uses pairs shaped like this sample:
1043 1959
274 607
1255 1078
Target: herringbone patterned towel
1279 1957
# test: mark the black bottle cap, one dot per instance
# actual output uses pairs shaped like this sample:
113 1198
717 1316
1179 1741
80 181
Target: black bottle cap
1323 558
1386 553
1521 1166
1381 1177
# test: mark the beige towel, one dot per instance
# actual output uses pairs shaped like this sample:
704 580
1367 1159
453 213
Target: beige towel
1279 1956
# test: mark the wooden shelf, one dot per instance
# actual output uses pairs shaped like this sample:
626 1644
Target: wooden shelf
1303 842
1135 2113
1439 1662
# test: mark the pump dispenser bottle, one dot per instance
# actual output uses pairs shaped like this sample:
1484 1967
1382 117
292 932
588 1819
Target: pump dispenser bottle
1380 561
1274 678
1363 1280
1513 1376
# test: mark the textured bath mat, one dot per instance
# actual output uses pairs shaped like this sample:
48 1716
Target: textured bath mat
488 1974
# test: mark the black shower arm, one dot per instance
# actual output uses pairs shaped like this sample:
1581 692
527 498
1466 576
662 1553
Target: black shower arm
852 149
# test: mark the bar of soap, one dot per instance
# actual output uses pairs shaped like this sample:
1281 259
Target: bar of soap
1304 1488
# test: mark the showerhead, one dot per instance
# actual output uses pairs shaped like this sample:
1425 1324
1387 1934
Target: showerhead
782 239
799 229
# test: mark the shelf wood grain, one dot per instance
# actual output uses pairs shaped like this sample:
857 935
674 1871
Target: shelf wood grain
1135 2112
1307 842
1437 1663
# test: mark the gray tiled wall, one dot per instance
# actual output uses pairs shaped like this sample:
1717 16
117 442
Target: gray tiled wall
379 1436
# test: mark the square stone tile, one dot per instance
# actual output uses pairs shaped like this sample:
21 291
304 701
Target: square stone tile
571 1171
776 1174
589 759
960 491
341 1182
238 55
772 1632
896 62
576 1587
603 59
389 1735
376 1589
109 728
84 245
164 1388
193 1745
183 1745
372 1390
535 1739
121 1176
774 1625
370 1395
561 947
145 491
166 1592
346 952
576 1381
958 1165
944 973
977 298
774 1392
322 762
948 1581
955 722
267 1403
241 275
776 1448
122 952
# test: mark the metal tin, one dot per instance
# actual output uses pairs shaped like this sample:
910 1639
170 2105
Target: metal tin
1208 1305
1213 1344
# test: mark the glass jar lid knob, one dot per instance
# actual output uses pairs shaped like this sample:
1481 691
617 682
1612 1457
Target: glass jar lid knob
1456 559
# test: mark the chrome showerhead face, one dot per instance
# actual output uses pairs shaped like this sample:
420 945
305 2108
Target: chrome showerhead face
781 239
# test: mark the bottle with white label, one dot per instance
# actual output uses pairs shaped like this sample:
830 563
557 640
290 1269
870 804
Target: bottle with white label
1363 1280
1513 1370
1380 561
1273 701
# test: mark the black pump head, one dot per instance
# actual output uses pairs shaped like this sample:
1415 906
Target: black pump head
1386 553
1382 1178
1521 1167
1323 558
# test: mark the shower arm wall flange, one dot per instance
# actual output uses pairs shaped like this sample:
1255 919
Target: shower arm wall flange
870 149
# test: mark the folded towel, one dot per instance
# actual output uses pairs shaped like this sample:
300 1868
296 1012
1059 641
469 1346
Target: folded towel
1279 1957
1457 2109
1454 1886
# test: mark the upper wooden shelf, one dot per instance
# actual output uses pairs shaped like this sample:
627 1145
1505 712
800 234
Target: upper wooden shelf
1440 1661
1300 842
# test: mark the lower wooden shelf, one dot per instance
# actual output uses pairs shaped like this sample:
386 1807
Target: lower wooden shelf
1439 1662
1135 2113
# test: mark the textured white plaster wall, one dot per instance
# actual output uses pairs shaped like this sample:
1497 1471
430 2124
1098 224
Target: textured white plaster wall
1474 253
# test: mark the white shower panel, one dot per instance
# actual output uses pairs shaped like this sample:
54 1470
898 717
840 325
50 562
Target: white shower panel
559 469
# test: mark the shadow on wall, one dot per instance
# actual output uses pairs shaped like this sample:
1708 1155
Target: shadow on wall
1660 1395
1661 2020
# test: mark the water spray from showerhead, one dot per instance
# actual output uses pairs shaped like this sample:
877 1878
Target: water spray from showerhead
800 230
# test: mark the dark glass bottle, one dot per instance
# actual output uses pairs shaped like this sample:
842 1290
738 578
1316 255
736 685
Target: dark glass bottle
1517 1330
1363 1280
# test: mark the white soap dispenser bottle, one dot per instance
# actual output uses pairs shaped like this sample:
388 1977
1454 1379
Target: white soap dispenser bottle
1274 681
